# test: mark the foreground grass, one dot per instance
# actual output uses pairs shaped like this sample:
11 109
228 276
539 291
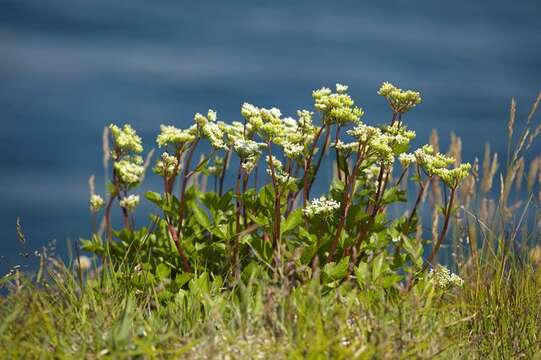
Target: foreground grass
118 314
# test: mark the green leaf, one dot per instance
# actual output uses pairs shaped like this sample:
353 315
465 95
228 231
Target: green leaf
163 271
293 220
201 217
336 271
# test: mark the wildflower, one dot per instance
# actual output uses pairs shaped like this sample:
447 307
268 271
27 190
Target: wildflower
248 148
363 132
130 202
321 207
96 203
341 89
130 170
431 161
305 123
406 159
346 148
400 101
235 131
166 165
453 177
252 115
249 164
210 129
126 138
398 136
281 176
337 108
172 135
444 279
292 150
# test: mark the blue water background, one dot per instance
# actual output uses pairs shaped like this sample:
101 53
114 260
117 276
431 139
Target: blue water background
70 67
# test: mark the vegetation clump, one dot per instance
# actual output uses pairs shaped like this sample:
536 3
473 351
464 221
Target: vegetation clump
264 269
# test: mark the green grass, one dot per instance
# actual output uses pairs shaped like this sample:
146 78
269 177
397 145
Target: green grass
493 316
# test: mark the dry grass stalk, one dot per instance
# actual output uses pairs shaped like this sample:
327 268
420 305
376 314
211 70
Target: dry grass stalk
532 173
519 174
91 184
512 117
489 169
106 153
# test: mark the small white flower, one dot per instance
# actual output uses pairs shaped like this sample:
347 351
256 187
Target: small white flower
341 88
321 207
172 135
130 202
406 159
444 279
126 138
96 203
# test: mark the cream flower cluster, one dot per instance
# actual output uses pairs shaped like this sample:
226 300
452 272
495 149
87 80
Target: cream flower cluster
126 139
166 165
406 159
444 279
321 207
337 108
400 100
170 135
130 202
267 122
453 177
279 173
249 151
96 203
437 164
211 129
235 131
383 144
128 164
130 169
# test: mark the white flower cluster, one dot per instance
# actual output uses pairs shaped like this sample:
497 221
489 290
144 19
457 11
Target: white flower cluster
292 150
127 163
249 151
171 135
267 122
166 165
400 100
337 108
130 169
211 129
437 164
130 202
406 159
383 144
96 203
280 174
126 139
321 207
444 279
235 131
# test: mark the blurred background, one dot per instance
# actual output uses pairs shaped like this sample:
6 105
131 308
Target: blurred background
70 67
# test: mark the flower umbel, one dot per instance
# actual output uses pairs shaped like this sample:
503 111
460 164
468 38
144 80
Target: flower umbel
321 207
400 100
96 203
130 202
444 279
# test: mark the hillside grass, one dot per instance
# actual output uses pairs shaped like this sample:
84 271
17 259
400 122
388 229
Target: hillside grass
495 315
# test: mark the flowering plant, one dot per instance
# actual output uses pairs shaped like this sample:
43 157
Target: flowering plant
268 222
